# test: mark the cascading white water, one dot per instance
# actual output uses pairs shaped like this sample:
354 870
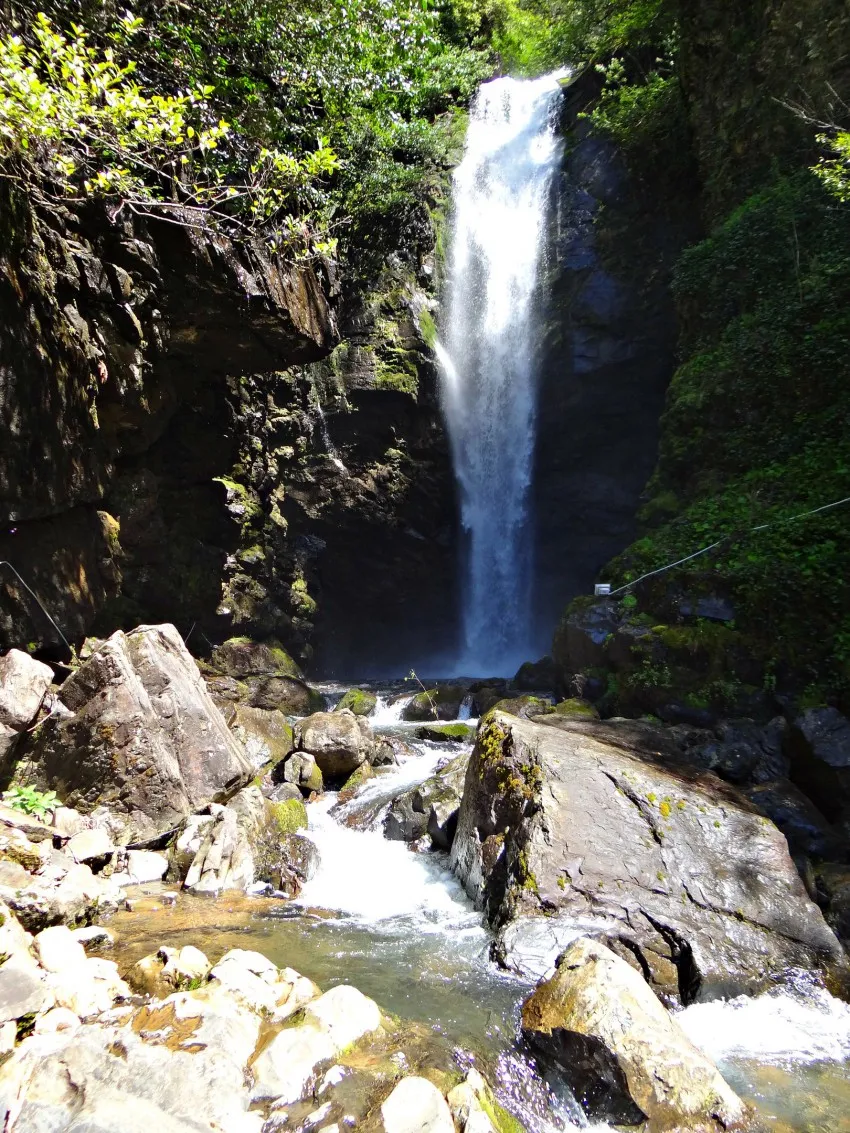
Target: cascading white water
501 195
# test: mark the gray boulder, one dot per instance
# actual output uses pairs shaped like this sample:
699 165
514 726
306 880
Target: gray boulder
143 738
572 828
622 1053
23 683
338 741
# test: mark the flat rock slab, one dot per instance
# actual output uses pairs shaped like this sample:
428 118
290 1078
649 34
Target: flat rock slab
575 828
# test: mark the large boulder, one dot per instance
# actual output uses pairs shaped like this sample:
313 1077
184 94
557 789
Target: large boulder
23 683
338 741
141 738
537 676
622 1053
286 694
571 827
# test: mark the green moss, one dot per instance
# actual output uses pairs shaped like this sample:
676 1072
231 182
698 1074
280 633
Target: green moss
581 709
453 733
290 815
359 702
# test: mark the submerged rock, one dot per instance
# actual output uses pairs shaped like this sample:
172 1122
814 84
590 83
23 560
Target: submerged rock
571 828
447 733
622 1053
142 739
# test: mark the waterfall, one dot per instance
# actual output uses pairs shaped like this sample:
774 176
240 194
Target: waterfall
501 197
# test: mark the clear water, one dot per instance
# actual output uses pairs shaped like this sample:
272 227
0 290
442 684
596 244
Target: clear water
501 195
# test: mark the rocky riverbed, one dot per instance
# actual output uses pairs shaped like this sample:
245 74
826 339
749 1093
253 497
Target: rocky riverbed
333 920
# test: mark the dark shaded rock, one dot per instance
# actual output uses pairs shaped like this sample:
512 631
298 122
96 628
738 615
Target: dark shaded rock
405 821
142 738
623 1055
240 657
583 635
714 609
676 712
537 676
744 752
575 826
819 744
806 829
288 695
430 808
338 741
488 696
832 881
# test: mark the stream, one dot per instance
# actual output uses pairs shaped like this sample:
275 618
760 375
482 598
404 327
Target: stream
399 926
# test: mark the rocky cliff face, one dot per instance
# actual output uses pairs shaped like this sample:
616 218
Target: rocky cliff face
607 355
168 456
747 439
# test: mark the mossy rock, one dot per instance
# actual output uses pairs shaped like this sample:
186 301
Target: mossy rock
440 703
241 657
525 706
293 697
358 701
290 815
354 781
447 733
579 709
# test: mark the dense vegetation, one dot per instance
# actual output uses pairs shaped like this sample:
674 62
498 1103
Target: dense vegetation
307 119
755 431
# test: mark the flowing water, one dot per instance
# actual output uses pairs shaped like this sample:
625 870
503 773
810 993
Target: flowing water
399 926
501 196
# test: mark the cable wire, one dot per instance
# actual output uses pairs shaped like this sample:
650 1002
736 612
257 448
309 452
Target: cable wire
711 546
